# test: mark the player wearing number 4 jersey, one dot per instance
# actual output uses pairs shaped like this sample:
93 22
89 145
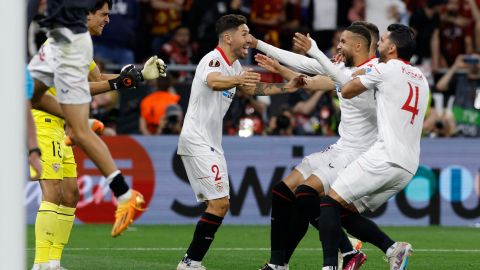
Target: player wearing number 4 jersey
218 75
387 167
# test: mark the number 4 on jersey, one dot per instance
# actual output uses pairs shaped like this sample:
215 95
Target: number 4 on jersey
407 107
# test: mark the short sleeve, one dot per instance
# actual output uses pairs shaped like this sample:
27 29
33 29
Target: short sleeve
212 65
373 76
28 84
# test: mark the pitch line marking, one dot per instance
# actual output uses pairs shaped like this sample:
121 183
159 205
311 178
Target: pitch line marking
247 249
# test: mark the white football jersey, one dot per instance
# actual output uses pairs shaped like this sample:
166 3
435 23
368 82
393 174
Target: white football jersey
402 99
202 129
358 119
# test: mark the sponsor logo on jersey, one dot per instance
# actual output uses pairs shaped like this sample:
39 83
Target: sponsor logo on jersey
228 94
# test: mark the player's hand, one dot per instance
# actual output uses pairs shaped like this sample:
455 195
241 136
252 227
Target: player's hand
359 72
154 68
254 42
35 165
338 58
267 63
129 77
249 78
302 42
295 83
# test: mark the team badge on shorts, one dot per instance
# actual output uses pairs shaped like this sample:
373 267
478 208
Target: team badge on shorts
219 186
55 167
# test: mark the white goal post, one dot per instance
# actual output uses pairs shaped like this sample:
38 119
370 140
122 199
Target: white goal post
13 142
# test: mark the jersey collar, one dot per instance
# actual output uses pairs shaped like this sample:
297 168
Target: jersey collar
223 55
404 61
366 61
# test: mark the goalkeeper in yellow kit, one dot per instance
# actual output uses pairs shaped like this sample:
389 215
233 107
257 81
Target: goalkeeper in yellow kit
58 181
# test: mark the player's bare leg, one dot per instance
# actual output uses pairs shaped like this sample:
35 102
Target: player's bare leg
204 234
129 201
76 116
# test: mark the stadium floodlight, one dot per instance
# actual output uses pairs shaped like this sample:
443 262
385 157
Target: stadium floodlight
13 136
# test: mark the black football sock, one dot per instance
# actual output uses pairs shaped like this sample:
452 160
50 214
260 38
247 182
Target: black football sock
366 230
204 234
307 210
282 204
329 227
344 243
118 185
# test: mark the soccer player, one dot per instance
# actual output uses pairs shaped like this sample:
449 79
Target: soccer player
65 65
58 182
388 166
219 74
299 192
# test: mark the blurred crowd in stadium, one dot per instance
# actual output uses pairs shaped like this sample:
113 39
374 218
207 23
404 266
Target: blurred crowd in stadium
182 31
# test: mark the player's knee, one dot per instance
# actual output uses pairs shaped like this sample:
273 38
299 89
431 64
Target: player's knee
70 198
218 207
294 179
51 191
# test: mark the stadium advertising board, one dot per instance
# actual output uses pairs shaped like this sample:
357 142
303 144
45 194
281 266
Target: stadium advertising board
445 190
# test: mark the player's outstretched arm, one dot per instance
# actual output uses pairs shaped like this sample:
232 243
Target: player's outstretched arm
319 83
49 104
269 89
274 66
310 46
293 60
219 82
102 82
353 88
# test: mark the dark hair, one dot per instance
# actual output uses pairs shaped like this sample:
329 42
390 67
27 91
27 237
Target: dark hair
229 22
404 39
99 4
361 31
372 28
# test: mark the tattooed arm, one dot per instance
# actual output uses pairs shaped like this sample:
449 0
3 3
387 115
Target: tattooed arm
268 89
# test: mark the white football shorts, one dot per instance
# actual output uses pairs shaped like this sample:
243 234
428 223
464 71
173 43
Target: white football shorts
208 176
371 180
327 164
63 62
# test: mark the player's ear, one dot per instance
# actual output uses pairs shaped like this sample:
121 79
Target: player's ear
392 48
227 37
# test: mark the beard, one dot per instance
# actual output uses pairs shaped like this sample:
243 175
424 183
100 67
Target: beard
348 60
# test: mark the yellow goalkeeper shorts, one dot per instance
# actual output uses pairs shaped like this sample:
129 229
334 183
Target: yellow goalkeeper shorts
57 159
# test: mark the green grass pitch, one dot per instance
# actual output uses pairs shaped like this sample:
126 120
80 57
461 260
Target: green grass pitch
247 248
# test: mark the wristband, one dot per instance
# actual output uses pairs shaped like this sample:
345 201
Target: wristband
35 150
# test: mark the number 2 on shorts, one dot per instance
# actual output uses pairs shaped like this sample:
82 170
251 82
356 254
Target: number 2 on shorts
216 170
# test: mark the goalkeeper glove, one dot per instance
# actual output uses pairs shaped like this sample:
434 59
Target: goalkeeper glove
154 68
129 77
